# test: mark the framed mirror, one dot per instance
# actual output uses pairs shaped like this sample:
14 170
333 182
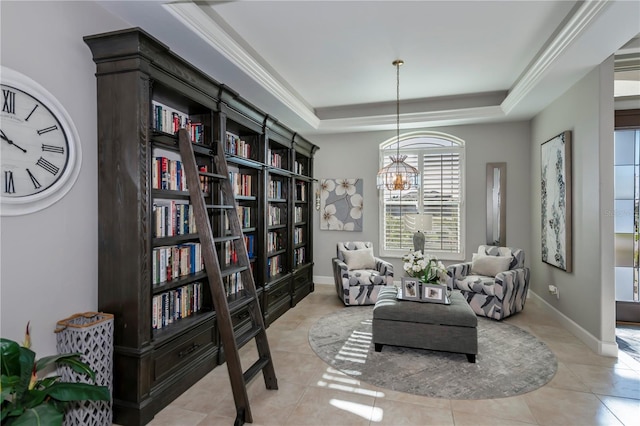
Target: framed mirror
497 204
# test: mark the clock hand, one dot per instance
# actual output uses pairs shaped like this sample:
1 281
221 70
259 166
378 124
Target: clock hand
3 136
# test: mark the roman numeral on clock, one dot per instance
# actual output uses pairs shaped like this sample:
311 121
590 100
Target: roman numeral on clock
9 186
9 104
47 130
51 148
34 181
47 166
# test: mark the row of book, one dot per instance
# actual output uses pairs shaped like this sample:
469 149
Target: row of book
250 242
274 241
298 167
275 266
168 174
229 253
171 218
173 305
274 215
241 183
233 283
236 146
297 214
275 189
244 214
169 120
274 159
298 256
171 262
301 191
298 235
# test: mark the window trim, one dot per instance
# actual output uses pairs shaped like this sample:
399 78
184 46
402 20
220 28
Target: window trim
385 148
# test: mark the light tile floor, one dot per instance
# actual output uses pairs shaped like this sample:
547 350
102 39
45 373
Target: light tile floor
587 390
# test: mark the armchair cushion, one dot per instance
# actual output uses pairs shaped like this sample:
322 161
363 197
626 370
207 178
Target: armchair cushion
360 259
489 265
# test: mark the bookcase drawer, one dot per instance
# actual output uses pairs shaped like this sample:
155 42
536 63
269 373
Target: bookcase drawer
183 350
302 285
276 293
276 310
241 320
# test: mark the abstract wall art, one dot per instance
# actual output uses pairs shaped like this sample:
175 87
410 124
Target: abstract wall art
555 161
341 204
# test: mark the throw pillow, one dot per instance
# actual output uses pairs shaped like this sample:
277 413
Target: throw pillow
489 265
359 259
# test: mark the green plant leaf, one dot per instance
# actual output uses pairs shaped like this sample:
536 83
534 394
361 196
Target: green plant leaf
78 392
78 366
52 359
42 415
27 361
9 357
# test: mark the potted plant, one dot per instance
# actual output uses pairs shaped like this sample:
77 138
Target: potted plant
28 399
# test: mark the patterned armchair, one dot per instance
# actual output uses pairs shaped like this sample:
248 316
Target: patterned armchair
358 274
495 282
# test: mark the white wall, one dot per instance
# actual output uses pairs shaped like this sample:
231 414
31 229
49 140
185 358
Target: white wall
356 155
49 259
586 294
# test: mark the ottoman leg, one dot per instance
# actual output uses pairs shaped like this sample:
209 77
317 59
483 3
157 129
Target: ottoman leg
377 347
471 358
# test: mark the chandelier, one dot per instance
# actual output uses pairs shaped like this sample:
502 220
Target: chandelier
398 175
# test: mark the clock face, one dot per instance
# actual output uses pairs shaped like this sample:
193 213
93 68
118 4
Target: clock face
38 147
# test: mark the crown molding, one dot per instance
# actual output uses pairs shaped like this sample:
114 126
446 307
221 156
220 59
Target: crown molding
413 120
201 23
576 25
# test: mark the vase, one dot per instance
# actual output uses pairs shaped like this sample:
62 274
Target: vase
418 242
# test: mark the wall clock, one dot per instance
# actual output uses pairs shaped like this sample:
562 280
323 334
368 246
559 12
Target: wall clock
39 146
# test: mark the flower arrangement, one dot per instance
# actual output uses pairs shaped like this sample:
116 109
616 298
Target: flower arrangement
428 268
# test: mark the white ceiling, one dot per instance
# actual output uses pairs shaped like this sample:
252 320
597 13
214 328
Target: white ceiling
325 66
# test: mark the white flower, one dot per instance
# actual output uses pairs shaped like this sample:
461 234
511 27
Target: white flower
326 186
347 186
329 219
358 204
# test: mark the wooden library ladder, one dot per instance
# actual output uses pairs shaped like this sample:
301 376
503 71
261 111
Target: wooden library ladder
230 345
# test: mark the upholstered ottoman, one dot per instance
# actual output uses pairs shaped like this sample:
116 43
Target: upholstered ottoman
433 326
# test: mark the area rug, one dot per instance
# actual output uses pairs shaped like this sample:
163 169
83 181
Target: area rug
510 361
628 338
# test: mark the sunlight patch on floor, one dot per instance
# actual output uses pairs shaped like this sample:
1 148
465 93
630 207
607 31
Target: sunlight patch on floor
365 411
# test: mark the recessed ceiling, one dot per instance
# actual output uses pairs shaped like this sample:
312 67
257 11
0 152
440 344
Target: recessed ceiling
325 66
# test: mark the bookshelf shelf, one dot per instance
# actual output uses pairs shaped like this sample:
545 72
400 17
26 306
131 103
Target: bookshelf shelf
166 332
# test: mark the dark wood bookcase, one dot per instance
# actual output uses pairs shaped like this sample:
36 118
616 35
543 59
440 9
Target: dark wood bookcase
150 273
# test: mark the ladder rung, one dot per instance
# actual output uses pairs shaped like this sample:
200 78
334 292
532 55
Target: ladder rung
255 369
244 338
230 271
219 206
241 303
227 238
213 175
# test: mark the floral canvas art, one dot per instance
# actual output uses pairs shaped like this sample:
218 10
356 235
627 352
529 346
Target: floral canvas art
341 204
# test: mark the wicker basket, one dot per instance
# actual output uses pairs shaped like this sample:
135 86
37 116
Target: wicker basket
91 335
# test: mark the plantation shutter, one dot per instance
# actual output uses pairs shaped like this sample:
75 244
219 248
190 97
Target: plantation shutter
396 205
442 196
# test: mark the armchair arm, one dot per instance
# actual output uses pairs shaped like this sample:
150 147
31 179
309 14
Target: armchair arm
512 281
457 271
386 269
340 269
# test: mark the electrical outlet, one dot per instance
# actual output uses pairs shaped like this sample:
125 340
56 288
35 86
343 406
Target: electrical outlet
554 290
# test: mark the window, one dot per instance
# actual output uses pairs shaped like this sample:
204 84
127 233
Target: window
440 159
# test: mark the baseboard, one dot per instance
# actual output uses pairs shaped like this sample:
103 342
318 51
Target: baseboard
597 346
321 279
